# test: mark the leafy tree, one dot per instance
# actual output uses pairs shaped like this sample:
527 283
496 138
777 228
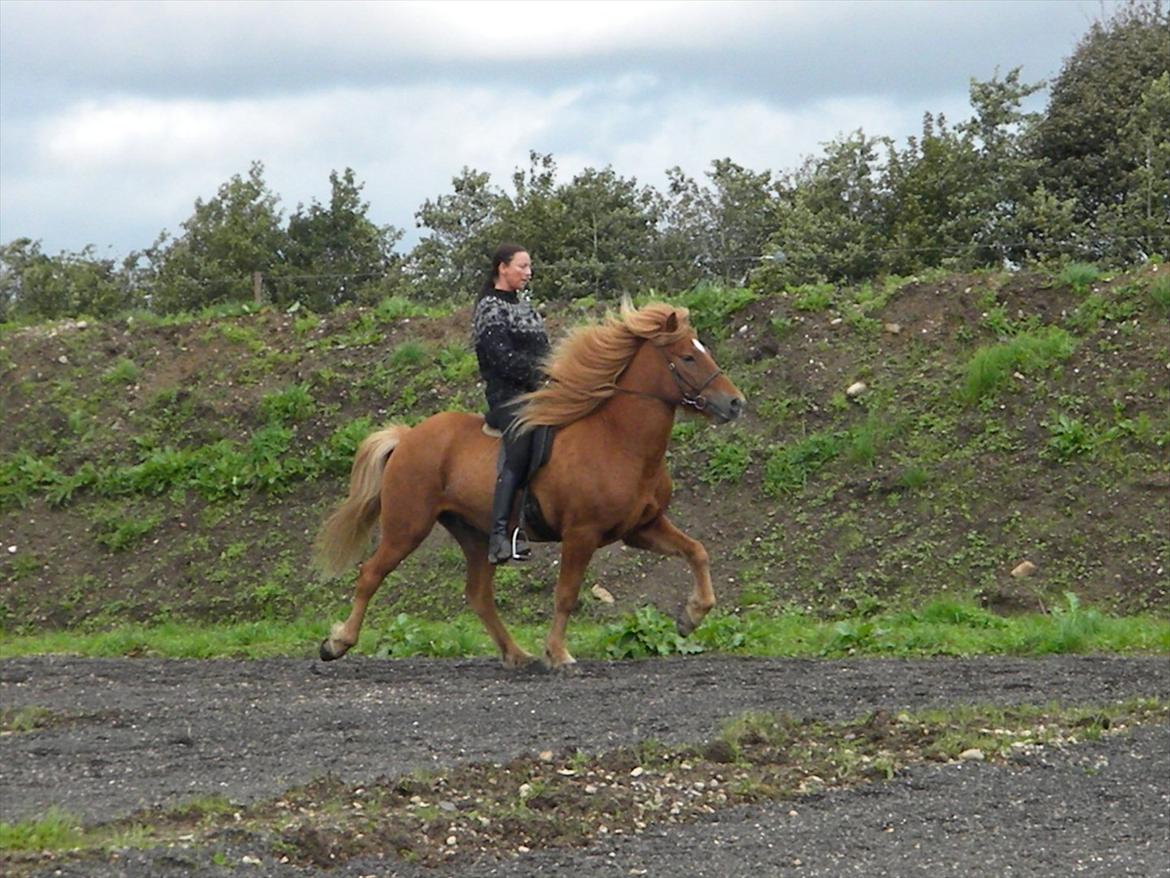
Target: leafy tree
611 230
451 259
1138 226
225 240
956 193
38 286
832 219
335 253
1086 138
716 232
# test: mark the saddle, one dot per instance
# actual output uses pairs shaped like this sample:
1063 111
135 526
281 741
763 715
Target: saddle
531 519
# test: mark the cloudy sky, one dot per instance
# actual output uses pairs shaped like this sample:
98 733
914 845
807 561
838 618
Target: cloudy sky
116 116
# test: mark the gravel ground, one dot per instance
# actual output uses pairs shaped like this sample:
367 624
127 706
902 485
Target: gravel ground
148 733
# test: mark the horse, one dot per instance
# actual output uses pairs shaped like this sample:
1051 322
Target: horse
612 392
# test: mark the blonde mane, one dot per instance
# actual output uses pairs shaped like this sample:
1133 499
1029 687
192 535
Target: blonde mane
585 365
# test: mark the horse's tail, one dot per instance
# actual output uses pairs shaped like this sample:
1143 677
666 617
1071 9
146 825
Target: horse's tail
344 535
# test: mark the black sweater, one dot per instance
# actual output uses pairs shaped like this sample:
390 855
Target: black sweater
510 344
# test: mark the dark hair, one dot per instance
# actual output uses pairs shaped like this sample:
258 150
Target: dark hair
502 256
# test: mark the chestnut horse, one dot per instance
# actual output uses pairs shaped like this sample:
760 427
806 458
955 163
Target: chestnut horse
613 392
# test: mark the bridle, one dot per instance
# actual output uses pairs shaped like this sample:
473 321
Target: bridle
692 394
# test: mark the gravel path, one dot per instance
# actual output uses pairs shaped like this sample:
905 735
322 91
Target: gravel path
154 733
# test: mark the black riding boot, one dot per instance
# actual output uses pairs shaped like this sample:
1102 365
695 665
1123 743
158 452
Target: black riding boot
500 545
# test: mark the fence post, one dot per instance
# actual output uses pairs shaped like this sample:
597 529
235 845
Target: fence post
258 287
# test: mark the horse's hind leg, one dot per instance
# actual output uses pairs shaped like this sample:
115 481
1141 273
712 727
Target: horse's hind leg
663 537
393 547
480 589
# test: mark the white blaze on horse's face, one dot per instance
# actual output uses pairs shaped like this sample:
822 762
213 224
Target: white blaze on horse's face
699 346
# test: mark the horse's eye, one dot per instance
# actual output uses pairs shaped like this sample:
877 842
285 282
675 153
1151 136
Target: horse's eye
689 358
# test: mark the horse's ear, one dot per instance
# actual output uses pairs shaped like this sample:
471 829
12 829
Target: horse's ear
671 324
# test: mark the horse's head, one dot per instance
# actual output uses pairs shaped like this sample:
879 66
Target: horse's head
697 379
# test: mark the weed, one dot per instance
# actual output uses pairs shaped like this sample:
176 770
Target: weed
1079 275
711 307
457 364
408 355
813 297
991 366
645 633
394 308
1160 292
1069 438
292 404
118 533
25 719
788 468
122 372
55 830
727 463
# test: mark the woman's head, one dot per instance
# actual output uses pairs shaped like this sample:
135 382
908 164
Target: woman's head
511 269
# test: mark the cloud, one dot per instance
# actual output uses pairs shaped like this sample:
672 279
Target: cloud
117 116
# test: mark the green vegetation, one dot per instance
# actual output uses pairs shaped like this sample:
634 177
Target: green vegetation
992 366
942 627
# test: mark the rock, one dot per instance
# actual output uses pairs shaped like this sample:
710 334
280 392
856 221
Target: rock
602 594
855 389
972 755
12 550
63 360
892 328
546 755
1024 568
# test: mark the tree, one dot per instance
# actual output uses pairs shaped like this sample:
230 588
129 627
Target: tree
610 232
1082 138
38 286
718 231
336 254
832 219
451 259
229 237
956 193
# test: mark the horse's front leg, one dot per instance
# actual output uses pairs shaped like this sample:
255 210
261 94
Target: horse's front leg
663 537
576 550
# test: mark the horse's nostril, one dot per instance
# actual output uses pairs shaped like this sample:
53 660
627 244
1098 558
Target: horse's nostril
736 407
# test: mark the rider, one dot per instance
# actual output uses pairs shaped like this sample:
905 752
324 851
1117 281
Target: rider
510 343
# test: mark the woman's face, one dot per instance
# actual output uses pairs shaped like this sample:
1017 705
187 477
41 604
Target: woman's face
515 274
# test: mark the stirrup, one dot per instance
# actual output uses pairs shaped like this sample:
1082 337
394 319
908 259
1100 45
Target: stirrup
520 553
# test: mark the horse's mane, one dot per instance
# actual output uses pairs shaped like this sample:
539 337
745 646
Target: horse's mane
585 365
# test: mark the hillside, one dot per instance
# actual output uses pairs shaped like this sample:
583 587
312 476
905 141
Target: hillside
156 469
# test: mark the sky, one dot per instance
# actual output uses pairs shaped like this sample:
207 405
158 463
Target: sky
116 116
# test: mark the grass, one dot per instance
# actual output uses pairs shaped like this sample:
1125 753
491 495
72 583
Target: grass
942 627
991 366
1079 275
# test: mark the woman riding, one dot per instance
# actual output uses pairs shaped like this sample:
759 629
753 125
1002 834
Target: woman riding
510 344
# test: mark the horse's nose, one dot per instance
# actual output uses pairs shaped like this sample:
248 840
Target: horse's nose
737 406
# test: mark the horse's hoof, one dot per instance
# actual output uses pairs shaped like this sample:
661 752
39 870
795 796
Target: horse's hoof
327 653
519 661
684 624
566 667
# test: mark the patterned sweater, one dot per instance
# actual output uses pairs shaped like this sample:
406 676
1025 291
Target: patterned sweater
510 344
